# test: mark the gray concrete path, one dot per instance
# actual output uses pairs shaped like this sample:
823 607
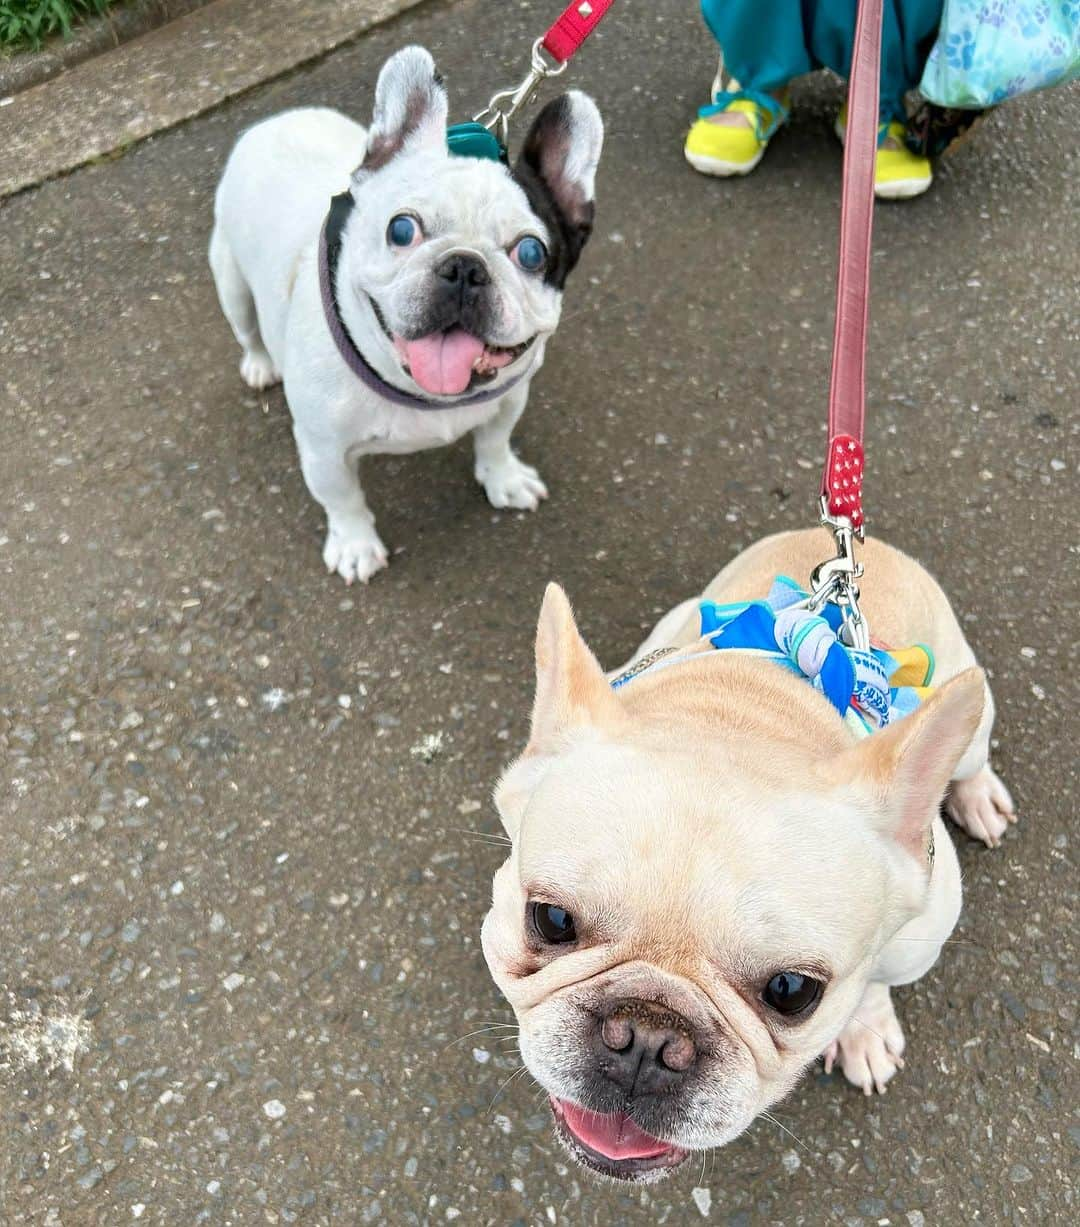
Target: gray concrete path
108 103
239 908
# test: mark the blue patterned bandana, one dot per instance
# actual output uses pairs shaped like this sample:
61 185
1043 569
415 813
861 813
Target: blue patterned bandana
868 689
862 686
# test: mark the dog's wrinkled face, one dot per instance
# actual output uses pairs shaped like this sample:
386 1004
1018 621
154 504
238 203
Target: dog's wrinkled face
703 869
462 261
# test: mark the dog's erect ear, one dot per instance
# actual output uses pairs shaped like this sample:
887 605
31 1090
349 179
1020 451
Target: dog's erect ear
557 170
410 108
571 690
571 693
909 764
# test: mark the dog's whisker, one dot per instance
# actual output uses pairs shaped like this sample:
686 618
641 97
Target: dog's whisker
949 941
484 837
855 1018
521 1069
772 1120
486 1029
565 319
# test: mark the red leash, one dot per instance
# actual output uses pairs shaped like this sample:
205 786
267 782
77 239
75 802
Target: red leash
842 477
573 26
562 41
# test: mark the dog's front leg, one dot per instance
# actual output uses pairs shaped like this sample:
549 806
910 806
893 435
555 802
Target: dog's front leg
870 1049
507 481
353 548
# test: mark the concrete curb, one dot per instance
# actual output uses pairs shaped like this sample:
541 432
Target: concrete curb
100 34
169 75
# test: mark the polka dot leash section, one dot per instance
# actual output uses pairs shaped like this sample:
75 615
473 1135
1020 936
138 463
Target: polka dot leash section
844 479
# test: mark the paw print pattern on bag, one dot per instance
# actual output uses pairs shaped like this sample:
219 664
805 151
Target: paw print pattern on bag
990 50
961 49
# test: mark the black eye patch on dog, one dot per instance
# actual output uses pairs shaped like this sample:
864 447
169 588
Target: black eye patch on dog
553 196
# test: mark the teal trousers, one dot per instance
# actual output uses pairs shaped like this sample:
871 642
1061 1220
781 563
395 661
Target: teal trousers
767 42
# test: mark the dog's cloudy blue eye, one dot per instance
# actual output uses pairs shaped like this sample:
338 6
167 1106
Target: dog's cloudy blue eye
402 231
530 254
790 992
554 924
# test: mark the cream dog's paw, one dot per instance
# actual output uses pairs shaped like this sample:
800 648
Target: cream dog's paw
981 806
358 554
511 483
257 369
870 1048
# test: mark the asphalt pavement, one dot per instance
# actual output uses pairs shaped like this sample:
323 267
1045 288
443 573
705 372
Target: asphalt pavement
245 823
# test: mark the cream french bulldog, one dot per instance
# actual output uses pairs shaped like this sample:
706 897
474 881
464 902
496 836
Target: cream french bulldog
414 308
713 881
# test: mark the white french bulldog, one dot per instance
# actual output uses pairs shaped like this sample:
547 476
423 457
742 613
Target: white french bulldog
417 307
712 881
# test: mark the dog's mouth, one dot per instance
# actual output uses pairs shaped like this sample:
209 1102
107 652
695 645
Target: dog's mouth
612 1144
452 361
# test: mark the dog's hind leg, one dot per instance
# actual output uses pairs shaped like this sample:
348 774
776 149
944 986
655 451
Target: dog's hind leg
978 801
238 304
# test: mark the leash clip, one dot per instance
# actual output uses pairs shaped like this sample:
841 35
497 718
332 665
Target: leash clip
836 578
504 105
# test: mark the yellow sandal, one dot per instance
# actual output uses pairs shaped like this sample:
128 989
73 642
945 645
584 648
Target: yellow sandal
900 173
723 149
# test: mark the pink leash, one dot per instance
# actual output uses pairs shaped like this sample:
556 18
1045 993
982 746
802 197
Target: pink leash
836 579
842 478
841 482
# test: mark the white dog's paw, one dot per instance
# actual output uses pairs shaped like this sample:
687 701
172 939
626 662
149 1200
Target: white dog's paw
870 1049
981 806
356 555
511 483
257 369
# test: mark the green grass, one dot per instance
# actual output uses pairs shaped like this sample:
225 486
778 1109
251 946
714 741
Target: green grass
26 24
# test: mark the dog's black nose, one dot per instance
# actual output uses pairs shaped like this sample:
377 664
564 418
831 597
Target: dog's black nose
644 1048
465 273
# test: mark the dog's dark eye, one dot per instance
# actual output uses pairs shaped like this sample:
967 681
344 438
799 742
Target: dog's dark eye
529 253
402 231
554 924
789 992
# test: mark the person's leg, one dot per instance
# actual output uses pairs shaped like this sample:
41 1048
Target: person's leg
763 47
907 34
908 31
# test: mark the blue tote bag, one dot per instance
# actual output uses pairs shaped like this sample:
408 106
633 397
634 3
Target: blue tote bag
989 50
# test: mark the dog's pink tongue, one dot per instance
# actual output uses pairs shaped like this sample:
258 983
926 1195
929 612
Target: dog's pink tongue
442 363
613 1135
